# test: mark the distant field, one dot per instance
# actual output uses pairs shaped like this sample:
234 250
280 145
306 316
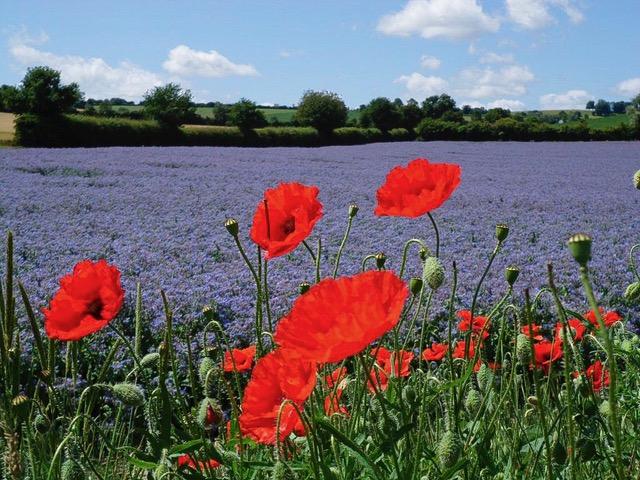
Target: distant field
6 127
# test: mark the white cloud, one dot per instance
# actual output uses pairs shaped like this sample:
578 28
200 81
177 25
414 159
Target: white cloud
533 14
95 76
573 99
507 81
186 62
492 57
427 61
421 86
451 19
629 87
514 105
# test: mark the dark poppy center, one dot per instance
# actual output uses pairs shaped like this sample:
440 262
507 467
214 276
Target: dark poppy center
95 309
289 226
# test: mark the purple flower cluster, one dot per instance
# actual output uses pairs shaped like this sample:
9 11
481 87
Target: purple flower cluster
158 214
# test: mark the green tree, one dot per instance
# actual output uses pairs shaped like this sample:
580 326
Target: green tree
602 108
436 106
384 114
220 113
495 114
411 114
246 116
635 102
325 111
590 105
41 92
9 98
169 105
619 107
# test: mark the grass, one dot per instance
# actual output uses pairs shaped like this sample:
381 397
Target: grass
6 128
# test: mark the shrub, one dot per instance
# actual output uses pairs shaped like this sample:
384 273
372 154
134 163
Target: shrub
246 116
324 111
384 114
356 136
41 92
169 105
430 129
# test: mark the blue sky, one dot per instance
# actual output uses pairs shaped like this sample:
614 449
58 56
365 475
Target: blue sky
521 54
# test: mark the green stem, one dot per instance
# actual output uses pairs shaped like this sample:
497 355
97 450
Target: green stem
435 228
342 245
267 301
405 252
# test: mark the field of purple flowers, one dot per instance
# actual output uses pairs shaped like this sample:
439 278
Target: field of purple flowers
158 213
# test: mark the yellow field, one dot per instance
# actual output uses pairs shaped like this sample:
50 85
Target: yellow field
6 127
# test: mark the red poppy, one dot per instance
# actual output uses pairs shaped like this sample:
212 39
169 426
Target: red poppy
242 358
477 325
576 328
285 217
597 375
546 353
188 461
534 333
458 351
435 353
278 376
336 377
609 318
338 318
332 404
88 299
389 364
416 189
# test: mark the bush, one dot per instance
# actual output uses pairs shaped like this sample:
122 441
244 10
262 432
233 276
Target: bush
356 136
41 92
169 105
324 111
430 129
246 116
384 114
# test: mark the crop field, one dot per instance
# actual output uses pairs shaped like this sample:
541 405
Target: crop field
158 213
6 127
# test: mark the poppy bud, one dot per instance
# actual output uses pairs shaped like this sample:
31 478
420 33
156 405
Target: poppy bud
502 232
532 400
210 312
415 285
232 226
381 258
511 274
304 288
353 210
129 394
206 364
209 413
485 377
41 423
409 394
636 180
150 360
433 272
580 247
472 401
71 471
424 254
529 415
523 349
448 449
626 345
632 293
605 409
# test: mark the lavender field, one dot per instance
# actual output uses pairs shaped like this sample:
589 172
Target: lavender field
158 214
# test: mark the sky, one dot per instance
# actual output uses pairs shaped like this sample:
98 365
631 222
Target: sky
517 54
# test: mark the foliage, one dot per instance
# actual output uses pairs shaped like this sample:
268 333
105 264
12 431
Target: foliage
436 106
602 108
246 116
169 105
324 111
383 114
41 92
9 98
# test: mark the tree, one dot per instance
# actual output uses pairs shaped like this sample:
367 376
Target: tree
246 116
495 114
590 105
9 98
602 108
636 102
324 111
436 105
619 107
411 114
41 92
220 113
384 114
169 105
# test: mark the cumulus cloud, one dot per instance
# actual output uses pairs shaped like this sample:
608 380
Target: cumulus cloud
186 62
570 100
534 14
629 87
427 61
492 57
514 105
418 85
95 76
450 19
477 83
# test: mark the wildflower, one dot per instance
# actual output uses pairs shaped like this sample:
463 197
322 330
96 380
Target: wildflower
239 359
416 189
338 318
285 218
332 404
336 377
546 353
187 461
597 375
477 325
88 299
609 318
458 351
435 352
533 332
575 327
278 376
389 364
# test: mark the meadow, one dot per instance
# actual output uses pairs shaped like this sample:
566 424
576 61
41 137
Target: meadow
453 352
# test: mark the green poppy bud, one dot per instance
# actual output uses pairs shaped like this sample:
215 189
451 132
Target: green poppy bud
232 226
523 349
353 210
150 360
381 259
485 377
72 471
632 293
502 232
424 254
209 413
448 449
511 274
41 423
532 400
605 408
206 364
304 287
580 247
409 394
636 180
415 285
129 394
433 272
472 401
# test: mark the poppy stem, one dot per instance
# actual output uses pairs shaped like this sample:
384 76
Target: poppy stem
267 302
435 228
405 252
342 245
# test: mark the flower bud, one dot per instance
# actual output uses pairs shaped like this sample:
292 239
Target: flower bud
409 394
532 400
580 247
448 449
523 349
150 360
424 254
206 364
632 293
210 312
304 287
605 408
511 274
485 377
502 232
232 226
209 413
472 401
71 471
353 210
381 258
129 394
415 285
433 272
636 180
41 423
